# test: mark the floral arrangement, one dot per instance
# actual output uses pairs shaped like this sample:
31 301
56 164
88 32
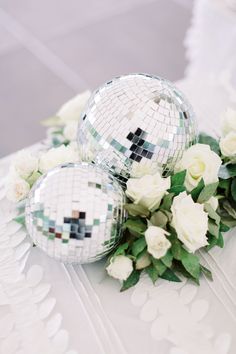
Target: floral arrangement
169 218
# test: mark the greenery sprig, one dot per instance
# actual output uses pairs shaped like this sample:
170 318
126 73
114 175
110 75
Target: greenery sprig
178 262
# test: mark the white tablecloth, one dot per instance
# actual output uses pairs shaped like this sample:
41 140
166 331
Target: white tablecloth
49 308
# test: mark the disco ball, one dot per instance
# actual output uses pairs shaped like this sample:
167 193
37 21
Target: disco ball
133 120
75 212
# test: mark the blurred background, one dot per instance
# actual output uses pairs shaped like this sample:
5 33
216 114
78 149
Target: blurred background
52 49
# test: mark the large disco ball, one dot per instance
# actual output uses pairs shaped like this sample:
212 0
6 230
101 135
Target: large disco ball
75 212
134 121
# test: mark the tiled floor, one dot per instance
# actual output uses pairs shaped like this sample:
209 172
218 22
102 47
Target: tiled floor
51 49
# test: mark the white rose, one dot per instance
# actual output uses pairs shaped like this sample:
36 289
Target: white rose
213 202
229 121
25 164
148 190
72 109
190 222
228 145
74 146
200 162
57 156
120 267
140 169
143 261
157 243
70 130
17 189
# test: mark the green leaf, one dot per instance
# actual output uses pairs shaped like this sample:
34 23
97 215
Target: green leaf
170 275
59 131
227 171
196 191
229 223
177 182
178 178
207 192
131 280
167 259
167 201
180 268
141 254
138 246
21 207
226 218
136 210
224 184
33 178
160 267
176 248
213 228
191 263
20 219
233 189
212 213
212 242
209 140
229 208
206 272
168 214
135 225
152 273
224 228
56 142
177 189
220 241
121 249
159 219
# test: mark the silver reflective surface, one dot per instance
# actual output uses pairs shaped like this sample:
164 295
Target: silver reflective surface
136 119
75 212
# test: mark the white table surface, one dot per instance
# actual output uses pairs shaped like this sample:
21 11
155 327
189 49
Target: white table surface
47 307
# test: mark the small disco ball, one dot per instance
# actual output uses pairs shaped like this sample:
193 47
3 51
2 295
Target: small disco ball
75 212
134 121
